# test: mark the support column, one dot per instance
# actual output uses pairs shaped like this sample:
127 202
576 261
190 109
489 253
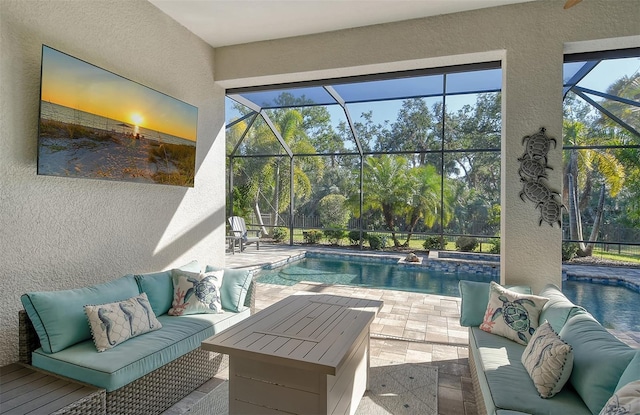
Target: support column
531 99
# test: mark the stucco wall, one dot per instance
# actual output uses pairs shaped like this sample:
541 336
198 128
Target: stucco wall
59 233
530 40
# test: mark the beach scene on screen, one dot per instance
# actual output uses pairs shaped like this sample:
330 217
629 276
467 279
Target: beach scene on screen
96 124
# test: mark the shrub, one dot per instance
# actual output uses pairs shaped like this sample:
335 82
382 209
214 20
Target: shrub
312 237
335 235
354 237
432 242
569 250
495 246
377 242
466 243
279 234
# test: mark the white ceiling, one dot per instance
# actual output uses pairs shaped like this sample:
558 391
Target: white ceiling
231 22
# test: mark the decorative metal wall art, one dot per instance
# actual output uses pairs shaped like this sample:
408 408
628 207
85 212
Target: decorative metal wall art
533 174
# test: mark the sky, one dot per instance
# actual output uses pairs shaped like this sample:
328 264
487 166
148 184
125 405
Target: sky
598 79
79 85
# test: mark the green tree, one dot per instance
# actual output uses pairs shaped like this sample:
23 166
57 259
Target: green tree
424 198
586 169
415 129
268 178
333 211
385 188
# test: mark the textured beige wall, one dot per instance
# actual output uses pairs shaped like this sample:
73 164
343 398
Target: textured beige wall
529 38
59 233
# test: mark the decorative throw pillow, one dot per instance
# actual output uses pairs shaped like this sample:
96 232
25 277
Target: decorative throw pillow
113 323
196 292
512 315
234 288
625 401
548 360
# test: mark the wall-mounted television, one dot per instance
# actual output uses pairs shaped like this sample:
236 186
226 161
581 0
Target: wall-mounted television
96 124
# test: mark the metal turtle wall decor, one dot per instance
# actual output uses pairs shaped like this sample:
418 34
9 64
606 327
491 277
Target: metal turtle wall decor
533 174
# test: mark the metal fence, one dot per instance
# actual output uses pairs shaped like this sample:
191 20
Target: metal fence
614 239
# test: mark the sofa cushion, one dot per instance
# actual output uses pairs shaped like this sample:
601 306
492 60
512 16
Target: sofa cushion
475 296
631 373
196 292
58 316
599 359
159 287
114 323
548 360
136 357
511 314
235 286
498 361
624 401
558 309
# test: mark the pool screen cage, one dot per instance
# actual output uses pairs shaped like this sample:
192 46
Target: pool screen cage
407 156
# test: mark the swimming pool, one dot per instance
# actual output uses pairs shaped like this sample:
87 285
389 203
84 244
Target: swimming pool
615 307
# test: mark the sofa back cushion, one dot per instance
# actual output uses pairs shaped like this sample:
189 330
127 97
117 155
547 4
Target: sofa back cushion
475 297
58 316
558 309
159 287
631 373
234 289
599 359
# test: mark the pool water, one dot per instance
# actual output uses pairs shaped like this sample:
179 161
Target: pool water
613 306
372 274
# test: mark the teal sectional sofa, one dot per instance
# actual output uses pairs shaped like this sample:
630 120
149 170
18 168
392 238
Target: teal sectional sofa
145 374
602 364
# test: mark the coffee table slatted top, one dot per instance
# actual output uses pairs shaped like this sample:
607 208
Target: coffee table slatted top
310 332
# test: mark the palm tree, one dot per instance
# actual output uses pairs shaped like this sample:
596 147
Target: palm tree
584 170
268 178
385 186
424 199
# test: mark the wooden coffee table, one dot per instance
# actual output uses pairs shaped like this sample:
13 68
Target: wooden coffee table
306 354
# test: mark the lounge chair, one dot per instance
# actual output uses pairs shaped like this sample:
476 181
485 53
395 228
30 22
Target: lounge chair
239 229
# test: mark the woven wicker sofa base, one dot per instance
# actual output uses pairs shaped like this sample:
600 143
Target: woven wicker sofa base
150 394
160 389
482 410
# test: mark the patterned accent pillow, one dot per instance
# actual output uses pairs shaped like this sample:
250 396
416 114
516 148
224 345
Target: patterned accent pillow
196 292
625 401
512 315
113 323
548 360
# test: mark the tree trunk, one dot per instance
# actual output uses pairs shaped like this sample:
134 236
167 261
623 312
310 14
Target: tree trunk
387 212
276 196
588 251
574 230
412 225
256 210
